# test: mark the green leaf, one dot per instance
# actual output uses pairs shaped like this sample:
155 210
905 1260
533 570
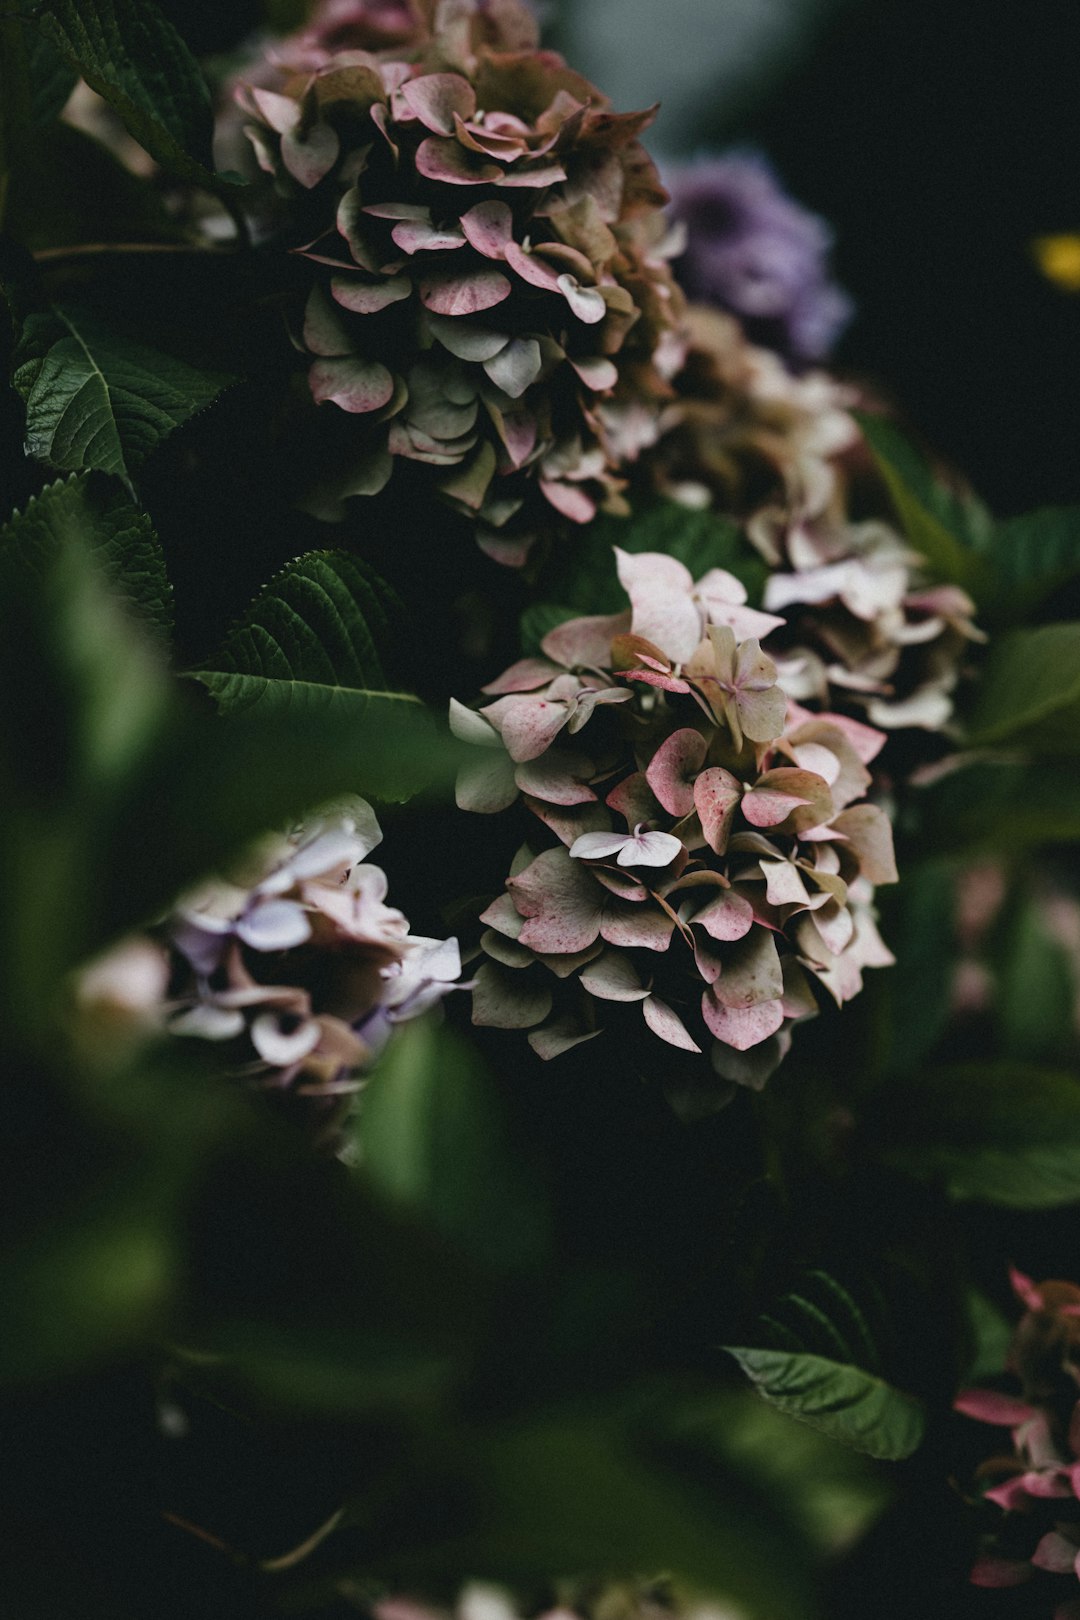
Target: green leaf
839 1400
1037 992
1033 556
944 531
918 919
130 53
1004 1133
990 1335
561 1492
97 399
85 510
833 1494
1001 805
309 650
51 78
433 1138
318 625
1029 692
818 1361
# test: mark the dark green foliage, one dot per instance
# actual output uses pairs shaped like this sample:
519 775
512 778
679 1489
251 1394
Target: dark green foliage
97 399
1003 1133
131 54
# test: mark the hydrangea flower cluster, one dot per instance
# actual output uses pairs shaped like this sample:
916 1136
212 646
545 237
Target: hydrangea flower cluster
750 249
298 964
714 853
754 441
490 296
1038 1484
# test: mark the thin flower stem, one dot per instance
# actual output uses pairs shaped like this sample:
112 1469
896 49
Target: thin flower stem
85 250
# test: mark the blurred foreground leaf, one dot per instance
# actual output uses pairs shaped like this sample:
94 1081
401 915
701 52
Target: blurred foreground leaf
1005 805
433 1138
84 511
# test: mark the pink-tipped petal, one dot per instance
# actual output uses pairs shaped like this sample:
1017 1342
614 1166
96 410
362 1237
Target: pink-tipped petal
489 228
717 794
673 769
436 97
990 1406
560 902
741 1027
728 917
354 384
440 158
524 676
369 297
584 641
464 293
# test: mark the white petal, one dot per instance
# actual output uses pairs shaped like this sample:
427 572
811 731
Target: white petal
594 846
275 1047
276 925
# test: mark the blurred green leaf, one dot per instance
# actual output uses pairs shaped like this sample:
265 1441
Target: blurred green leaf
52 79
432 1135
130 53
832 1492
943 529
1004 1133
1037 993
90 1261
1029 692
83 510
70 189
97 399
569 1492
990 1337
918 918
818 1361
1033 556
1002 805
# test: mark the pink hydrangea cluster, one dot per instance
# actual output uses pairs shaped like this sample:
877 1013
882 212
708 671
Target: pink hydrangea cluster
702 845
297 965
753 440
489 294
1038 1482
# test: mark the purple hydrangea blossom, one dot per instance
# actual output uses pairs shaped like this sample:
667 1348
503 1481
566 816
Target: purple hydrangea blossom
753 251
